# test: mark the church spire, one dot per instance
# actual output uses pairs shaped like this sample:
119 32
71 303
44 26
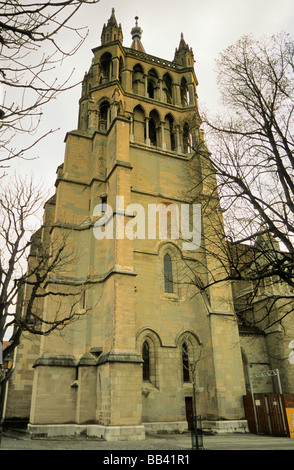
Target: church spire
184 55
112 20
112 31
136 36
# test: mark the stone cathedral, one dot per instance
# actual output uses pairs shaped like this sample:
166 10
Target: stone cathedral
147 344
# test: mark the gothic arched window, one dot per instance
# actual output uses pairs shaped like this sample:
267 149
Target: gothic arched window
152 132
150 89
170 132
152 81
106 67
154 136
121 64
139 124
104 110
184 92
168 88
146 359
187 139
137 79
168 274
185 363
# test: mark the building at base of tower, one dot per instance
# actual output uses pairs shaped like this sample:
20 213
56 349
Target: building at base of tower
150 348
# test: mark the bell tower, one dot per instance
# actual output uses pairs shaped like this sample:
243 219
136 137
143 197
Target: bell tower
118 371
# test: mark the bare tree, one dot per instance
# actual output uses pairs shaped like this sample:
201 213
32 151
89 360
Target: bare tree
250 169
29 264
30 49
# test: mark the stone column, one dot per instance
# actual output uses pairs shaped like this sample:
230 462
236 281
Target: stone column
115 68
160 90
178 141
177 94
132 136
163 144
110 70
191 93
147 141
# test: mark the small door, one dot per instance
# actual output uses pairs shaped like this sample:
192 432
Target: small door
189 410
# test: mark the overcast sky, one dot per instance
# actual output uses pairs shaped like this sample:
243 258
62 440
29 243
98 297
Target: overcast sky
209 26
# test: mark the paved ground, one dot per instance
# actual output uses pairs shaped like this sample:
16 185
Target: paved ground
169 442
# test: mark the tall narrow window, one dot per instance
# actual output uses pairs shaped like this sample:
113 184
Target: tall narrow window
187 139
150 89
146 359
105 67
103 203
138 79
152 83
185 363
104 109
170 132
184 92
168 274
168 88
139 125
152 132
120 69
